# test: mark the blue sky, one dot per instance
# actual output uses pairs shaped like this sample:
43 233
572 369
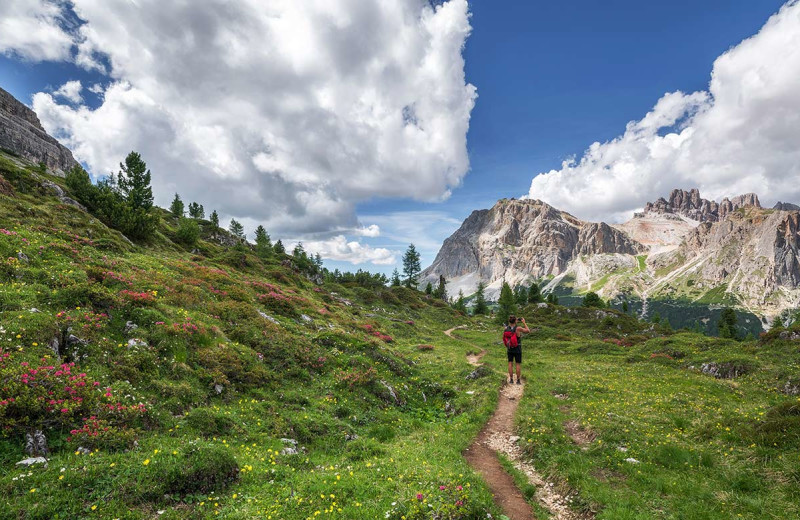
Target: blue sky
551 78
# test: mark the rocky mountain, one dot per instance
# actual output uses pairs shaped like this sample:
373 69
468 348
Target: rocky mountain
684 248
21 134
786 206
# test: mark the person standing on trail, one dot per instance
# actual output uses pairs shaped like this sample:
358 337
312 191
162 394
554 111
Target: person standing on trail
512 339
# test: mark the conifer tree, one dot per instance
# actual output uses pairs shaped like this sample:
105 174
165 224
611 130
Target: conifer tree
535 294
441 290
727 324
177 208
263 243
506 304
625 307
481 307
278 248
236 229
133 182
429 289
396 279
215 220
196 211
552 298
411 266
521 295
593 300
460 305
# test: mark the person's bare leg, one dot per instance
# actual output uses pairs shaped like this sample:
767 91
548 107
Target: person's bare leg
519 371
511 371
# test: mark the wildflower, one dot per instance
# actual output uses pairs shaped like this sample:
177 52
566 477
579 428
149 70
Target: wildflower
146 462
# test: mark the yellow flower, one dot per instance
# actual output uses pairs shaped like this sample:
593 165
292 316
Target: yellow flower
61 477
33 490
94 507
146 462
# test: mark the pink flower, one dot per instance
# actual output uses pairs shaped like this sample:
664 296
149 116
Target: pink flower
419 496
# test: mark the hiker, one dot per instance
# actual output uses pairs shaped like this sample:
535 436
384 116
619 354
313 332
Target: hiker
513 341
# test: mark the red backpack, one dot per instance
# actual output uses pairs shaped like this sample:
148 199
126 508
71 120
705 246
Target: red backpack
510 339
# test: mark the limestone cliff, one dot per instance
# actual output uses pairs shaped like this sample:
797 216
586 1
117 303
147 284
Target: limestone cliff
22 134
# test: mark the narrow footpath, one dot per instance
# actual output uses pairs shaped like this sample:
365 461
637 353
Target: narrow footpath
497 437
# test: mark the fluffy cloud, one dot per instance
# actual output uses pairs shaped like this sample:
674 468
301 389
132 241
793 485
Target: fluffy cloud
338 248
369 231
71 91
739 136
34 30
288 113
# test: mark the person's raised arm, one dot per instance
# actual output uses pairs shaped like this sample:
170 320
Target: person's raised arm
524 327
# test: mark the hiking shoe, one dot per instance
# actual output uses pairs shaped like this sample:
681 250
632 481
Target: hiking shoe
510 380
519 381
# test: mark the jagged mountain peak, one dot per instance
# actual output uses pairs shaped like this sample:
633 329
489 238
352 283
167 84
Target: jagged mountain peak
691 205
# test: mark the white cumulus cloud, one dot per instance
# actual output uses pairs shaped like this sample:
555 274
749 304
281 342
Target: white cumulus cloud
372 231
34 30
739 136
339 248
285 112
71 91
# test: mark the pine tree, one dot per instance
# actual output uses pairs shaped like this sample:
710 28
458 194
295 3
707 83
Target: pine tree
535 294
215 220
593 300
460 305
506 304
133 182
196 211
521 295
481 307
236 229
552 298
396 279
177 208
263 243
441 290
278 248
411 266
656 318
429 289
727 324
625 306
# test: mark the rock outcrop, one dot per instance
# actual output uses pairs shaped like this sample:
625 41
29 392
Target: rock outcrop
21 133
689 204
786 206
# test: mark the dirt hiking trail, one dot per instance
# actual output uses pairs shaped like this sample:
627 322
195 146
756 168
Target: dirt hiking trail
496 437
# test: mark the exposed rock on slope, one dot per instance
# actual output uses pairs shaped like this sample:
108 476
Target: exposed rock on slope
689 204
786 206
22 133
518 240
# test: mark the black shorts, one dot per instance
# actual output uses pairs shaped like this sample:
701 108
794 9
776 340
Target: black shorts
514 354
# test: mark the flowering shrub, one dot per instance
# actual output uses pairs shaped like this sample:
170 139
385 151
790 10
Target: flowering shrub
47 396
184 328
444 502
139 298
355 377
383 337
85 320
618 342
98 433
278 303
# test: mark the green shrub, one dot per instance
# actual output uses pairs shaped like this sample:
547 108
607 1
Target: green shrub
209 423
202 470
188 231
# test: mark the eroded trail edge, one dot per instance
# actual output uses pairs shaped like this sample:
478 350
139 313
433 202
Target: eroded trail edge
497 437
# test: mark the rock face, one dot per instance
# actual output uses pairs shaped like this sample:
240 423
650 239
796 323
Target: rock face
518 240
689 204
22 134
786 206
733 252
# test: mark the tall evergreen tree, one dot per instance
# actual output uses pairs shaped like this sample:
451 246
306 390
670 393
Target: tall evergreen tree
236 229
263 243
592 299
552 298
727 324
215 220
411 266
279 248
481 307
177 208
396 279
429 289
506 304
625 307
133 182
521 295
441 290
460 305
196 211
535 294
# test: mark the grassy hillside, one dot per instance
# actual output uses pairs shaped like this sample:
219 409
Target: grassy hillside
206 382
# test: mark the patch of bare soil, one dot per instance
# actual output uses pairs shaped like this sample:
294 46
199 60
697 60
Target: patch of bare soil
579 435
